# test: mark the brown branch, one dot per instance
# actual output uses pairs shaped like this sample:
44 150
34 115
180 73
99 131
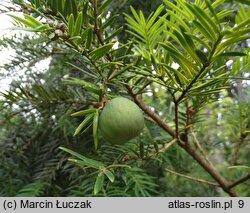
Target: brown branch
209 168
193 178
150 113
239 181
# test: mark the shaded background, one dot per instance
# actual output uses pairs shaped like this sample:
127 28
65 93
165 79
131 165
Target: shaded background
35 120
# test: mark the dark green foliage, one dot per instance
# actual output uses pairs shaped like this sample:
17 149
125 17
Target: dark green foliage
187 61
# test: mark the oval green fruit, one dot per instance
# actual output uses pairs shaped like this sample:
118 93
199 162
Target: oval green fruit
120 120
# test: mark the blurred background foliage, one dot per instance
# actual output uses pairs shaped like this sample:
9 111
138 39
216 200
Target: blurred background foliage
35 121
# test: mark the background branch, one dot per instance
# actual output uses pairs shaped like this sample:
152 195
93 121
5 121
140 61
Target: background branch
192 178
198 145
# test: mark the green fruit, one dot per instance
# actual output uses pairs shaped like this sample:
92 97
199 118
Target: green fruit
120 120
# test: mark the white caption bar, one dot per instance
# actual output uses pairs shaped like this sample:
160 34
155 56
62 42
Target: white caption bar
124 205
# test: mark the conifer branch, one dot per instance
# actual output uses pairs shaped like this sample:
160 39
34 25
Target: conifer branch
193 178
